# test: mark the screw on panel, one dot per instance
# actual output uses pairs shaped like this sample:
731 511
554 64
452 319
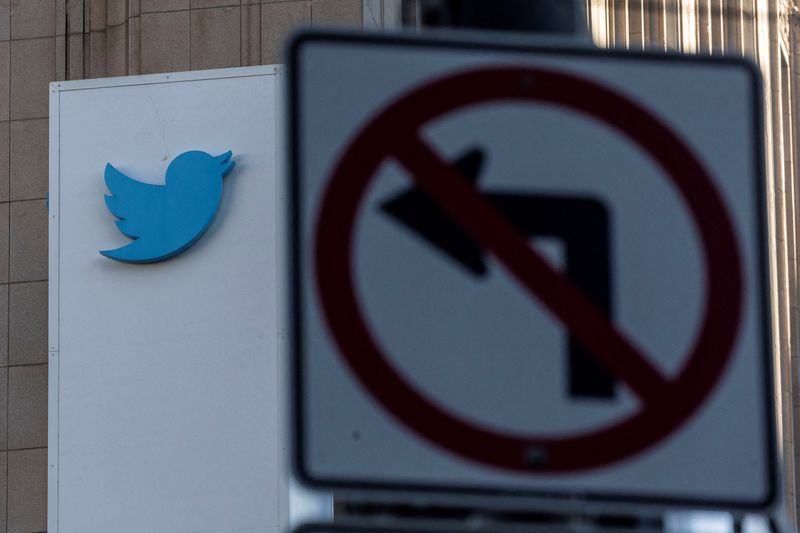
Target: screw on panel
536 457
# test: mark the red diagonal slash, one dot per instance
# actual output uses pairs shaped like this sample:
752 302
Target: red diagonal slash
456 196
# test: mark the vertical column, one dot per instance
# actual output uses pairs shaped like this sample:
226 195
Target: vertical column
164 37
689 26
748 44
621 30
794 72
134 35
704 25
33 50
278 20
250 46
656 32
636 24
717 25
767 54
215 34
597 17
781 87
732 26
116 38
790 216
97 39
672 25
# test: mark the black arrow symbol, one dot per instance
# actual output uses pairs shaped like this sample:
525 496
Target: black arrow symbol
581 223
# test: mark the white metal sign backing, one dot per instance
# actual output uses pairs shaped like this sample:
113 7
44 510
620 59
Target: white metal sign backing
166 411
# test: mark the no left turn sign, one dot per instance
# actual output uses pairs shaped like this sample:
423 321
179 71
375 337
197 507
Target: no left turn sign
394 133
435 165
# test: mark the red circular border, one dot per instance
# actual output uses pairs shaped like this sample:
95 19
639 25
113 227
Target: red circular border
404 119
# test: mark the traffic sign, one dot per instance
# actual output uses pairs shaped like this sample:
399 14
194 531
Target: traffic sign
529 270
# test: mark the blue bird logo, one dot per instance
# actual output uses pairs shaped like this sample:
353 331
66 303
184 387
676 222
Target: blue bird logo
164 220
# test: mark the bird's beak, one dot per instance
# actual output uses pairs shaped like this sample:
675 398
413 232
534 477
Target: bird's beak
225 163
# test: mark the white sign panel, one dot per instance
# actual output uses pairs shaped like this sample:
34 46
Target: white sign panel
166 410
529 270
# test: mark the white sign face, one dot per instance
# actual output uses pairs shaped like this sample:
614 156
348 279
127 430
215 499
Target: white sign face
166 411
529 270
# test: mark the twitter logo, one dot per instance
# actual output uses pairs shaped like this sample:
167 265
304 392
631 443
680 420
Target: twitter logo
164 220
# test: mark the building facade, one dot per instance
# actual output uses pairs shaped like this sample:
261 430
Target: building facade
49 40
766 31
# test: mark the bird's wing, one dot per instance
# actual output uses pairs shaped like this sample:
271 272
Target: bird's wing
133 202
